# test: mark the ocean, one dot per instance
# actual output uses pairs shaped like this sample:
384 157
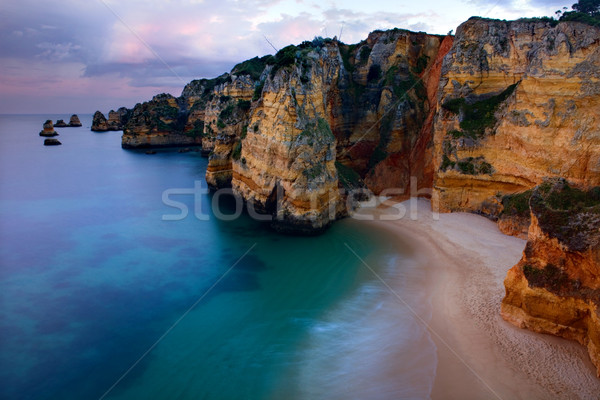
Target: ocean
104 296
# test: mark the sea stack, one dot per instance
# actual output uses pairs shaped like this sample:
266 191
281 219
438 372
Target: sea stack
52 142
99 123
555 288
74 121
60 124
48 130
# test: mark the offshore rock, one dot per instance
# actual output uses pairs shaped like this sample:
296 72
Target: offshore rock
157 123
519 101
555 287
74 121
52 142
48 130
60 124
99 123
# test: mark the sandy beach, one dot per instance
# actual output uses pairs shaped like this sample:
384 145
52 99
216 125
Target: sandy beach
480 356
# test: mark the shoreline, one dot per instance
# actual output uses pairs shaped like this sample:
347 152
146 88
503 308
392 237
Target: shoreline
466 259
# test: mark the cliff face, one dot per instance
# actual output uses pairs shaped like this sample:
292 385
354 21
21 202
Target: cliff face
519 101
290 124
285 164
477 117
327 109
157 123
115 122
555 288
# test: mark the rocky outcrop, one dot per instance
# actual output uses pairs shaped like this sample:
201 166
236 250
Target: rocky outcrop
52 142
555 288
326 107
99 123
116 120
519 101
74 121
48 130
480 116
157 123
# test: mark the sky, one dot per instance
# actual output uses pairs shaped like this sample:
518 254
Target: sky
79 56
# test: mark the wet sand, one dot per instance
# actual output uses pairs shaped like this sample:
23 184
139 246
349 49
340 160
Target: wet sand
480 356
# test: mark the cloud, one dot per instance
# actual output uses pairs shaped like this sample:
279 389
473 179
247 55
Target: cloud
163 44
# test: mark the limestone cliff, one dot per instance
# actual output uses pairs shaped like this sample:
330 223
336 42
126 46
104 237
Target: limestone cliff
115 122
157 123
519 101
480 116
555 288
293 122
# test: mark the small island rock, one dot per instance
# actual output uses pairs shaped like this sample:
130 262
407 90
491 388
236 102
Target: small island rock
52 142
99 123
60 124
48 130
74 121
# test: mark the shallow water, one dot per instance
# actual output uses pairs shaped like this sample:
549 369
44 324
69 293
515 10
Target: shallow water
91 276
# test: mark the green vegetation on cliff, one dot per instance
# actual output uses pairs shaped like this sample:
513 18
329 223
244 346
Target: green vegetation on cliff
517 204
568 214
476 117
253 67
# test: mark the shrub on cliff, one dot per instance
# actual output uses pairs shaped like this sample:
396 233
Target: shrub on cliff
477 116
253 67
568 214
585 11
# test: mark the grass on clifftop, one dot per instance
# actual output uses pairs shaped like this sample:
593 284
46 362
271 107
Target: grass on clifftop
253 67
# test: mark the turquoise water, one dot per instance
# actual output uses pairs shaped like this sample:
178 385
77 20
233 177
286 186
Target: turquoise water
91 277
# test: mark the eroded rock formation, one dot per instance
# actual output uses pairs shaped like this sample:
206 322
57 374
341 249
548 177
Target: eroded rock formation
157 123
48 130
116 120
294 123
74 121
99 123
519 101
555 288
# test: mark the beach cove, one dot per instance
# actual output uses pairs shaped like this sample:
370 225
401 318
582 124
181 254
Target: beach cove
480 355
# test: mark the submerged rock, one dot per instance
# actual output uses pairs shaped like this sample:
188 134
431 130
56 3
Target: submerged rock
52 142
48 130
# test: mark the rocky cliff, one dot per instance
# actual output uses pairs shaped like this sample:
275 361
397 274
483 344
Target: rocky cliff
477 117
115 122
519 101
308 121
555 288
157 123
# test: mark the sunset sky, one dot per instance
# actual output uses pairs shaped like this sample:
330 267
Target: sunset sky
78 56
